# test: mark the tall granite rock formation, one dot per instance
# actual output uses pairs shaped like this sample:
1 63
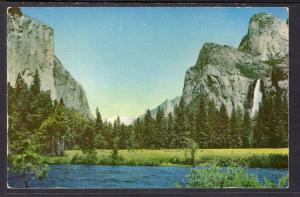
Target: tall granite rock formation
226 75
223 74
30 47
267 37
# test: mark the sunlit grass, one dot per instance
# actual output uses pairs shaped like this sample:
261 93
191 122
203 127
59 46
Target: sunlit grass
253 157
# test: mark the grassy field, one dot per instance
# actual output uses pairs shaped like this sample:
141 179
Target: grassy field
261 157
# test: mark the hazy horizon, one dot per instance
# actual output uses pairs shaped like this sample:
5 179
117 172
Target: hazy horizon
132 59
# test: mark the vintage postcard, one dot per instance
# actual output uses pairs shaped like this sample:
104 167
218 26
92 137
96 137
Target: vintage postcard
147 97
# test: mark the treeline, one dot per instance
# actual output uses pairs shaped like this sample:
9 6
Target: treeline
37 121
210 127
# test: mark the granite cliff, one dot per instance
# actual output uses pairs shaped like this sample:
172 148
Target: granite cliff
227 75
30 47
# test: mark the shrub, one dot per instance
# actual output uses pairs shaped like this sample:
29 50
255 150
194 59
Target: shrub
190 152
283 182
216 177
87 158
90 157
255 161
270 160
76 159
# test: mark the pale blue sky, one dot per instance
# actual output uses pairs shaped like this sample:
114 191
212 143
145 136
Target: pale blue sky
131 59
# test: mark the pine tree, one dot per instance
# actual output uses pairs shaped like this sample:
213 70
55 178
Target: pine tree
235 128
61 102
138 130
159 132
20 84
40 107
246 130
201 133
108 134
263 125
55 103
279 122
170 132
99 127
223 127
124 136
53 131
285 123
258 128
148 130
214 137
131 142
18 103
99 122
116 128
87 144
181 124
35 87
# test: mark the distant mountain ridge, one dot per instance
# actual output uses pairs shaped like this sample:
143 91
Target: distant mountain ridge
126 120
167 106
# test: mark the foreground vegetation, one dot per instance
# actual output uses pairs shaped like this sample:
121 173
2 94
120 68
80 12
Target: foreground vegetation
234 176
260 158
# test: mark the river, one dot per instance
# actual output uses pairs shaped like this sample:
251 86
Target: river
98 176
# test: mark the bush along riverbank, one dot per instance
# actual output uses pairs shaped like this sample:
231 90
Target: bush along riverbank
256 158
231 177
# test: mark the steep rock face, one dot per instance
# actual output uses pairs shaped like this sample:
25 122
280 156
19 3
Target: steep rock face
69 89
223 74
278 82
227 75
30 47
267 37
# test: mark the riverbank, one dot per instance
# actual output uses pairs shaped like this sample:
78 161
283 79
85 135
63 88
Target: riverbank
255 158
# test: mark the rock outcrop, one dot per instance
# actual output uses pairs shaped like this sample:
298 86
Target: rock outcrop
267 37
278 82
69 89
225 75
30 47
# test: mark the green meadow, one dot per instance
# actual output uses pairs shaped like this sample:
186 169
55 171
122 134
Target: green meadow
254 157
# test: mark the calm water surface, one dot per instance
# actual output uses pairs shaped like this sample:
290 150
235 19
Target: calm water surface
97 176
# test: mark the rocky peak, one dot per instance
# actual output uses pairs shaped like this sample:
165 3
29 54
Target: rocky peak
267 37
213 54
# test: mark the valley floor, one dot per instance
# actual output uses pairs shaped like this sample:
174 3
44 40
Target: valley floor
257 158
